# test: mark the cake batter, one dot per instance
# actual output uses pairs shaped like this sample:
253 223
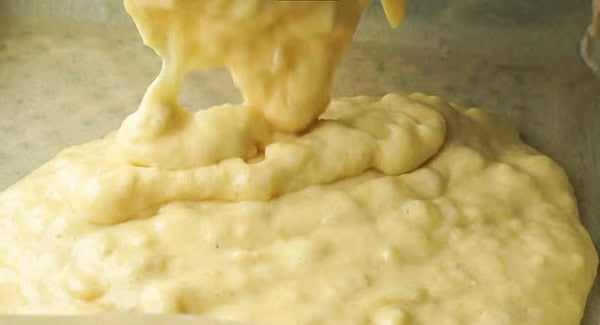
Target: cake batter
289 209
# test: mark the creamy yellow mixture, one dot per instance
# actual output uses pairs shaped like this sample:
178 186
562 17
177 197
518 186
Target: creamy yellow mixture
289 208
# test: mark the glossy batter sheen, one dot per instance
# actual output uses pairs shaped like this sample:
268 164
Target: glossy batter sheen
289 209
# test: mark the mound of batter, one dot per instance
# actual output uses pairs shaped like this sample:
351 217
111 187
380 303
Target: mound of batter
289 208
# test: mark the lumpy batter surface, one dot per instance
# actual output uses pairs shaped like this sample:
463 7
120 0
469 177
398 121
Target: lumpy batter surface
404 209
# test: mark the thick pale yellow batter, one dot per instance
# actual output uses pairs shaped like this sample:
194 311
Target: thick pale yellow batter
289 209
